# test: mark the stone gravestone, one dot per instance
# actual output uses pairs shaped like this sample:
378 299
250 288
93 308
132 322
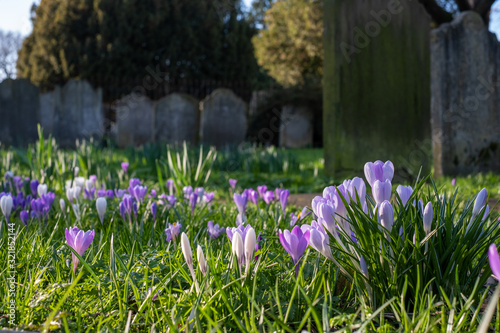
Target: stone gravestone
134 120
177 119
77 111
296 130
49 101
19 108
376 84
224 119
465 107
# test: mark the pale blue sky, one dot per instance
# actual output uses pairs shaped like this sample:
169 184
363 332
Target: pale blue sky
14 15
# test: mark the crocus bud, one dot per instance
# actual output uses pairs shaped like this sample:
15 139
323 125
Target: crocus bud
42 190
6 205
480 202
428 212
404 193
284 199
379 171
62 204
381 191
238 250
250 241
202 263
386 215
24 217
486 212
186 250
34 187
101 207
154 209
232 183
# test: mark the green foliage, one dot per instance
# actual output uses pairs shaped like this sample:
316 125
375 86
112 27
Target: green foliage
291 46
450 261
131 278
130 40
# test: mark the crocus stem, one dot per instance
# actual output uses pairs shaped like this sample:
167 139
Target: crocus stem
193 275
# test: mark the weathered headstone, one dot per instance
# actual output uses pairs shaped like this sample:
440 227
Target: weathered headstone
177 119
72 112
134 120
376 83
19 108
49 101
296 130
465 109
224 118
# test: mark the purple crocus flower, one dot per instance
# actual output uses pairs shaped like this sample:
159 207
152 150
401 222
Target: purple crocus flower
262 190
295 243
119 193
318 239
453 182
277 192
152 193
171 200
79 241
101 192
232 182
127 205
34 187
293 219
208 197
48 199
214 231
24 217
123 210
241 202
304 212
140 192
173 231
38 209
379 170
253 196
89 194
284 199
381 191
110 194
154 209
125 167
268 197
404 193
193 198
187 191
242 230
494 260
18 183
133 183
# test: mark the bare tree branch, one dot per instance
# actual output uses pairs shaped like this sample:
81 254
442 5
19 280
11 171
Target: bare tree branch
438 14
483 7
463 5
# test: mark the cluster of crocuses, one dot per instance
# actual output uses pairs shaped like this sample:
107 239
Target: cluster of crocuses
253 196
330 213
14 200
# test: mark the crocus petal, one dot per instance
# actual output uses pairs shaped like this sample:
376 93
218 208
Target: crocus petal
494 260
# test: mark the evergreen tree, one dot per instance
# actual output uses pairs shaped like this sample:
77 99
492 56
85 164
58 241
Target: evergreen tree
183 39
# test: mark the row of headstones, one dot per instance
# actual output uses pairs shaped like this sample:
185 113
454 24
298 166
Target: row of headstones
75 111
220 119
71 112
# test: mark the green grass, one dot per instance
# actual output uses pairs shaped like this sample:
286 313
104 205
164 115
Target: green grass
132 279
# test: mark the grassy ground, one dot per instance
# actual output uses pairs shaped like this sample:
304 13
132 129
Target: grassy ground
132 279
